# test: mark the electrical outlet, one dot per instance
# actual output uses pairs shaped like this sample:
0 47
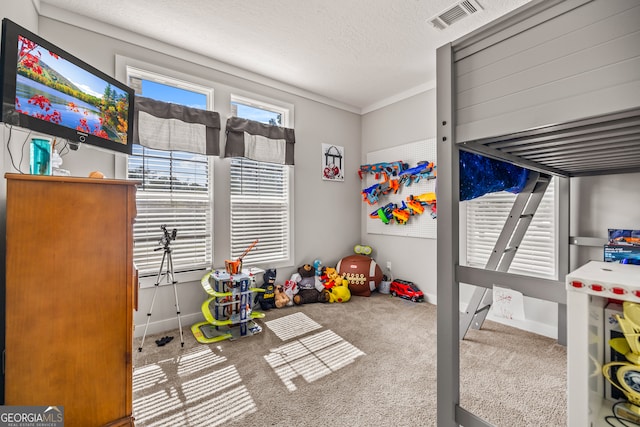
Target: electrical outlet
388 265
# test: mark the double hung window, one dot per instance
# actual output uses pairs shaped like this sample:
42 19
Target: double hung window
175 190
261 195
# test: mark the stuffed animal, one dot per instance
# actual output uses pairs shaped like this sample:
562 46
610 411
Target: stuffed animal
281 297
331 278
340 293
310 289
267 299
290 289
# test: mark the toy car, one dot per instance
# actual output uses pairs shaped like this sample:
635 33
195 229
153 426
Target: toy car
406 289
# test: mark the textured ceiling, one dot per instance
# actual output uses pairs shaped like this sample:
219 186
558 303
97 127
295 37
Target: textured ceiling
360 53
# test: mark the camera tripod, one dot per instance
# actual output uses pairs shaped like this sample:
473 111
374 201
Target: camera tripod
166 256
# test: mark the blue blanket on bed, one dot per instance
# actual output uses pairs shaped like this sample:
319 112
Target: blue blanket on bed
481 175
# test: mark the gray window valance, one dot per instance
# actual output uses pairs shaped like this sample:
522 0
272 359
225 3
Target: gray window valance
259 141
165 126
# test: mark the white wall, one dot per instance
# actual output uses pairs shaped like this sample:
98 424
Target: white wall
599 203
324 225
20 12
410 120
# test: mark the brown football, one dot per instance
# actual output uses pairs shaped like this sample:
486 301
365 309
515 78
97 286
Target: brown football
362 272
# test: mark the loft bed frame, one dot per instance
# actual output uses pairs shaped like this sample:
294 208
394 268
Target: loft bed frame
554 87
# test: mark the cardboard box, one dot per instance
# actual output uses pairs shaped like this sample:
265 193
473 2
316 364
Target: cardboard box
622 254
623 246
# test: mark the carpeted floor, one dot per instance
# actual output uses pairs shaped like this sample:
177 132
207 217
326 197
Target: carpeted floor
368 362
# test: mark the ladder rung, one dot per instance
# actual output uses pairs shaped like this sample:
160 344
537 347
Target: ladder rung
486 307
540 187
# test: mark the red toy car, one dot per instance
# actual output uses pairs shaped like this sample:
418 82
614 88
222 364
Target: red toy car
406 289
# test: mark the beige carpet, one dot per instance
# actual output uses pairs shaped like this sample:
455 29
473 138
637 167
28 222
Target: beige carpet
368 362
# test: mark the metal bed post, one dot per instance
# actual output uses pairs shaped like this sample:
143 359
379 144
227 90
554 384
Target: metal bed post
564 265
449 411
448 316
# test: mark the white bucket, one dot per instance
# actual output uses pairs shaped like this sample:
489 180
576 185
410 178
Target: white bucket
384 287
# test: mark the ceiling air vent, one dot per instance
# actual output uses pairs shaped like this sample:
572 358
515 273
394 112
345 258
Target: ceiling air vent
455 13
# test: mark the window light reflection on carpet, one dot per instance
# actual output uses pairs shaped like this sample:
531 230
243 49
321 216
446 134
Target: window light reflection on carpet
148 376
291 326
198 359
208 391
311 357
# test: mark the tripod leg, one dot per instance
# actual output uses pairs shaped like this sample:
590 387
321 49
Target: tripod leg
153 300
175 294
164 257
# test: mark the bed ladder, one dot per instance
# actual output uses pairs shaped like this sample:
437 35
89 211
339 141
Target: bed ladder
513 231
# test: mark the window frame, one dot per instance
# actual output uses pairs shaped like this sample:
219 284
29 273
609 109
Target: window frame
287 113
188 83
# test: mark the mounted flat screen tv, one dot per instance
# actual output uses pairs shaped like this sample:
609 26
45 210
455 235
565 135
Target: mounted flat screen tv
48 90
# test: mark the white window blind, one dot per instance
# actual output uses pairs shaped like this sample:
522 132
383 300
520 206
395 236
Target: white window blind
260 209
175 193
486 216
176 188
261 193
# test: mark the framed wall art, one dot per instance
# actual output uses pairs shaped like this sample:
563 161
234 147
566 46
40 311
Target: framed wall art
332 162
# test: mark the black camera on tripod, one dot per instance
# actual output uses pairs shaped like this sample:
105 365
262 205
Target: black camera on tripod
167 236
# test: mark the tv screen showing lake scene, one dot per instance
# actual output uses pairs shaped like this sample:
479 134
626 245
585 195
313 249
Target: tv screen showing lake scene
50 88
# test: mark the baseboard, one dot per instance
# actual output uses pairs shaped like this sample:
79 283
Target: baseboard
539 328
168 324
164 325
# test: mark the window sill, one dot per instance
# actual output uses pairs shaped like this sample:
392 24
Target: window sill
188 276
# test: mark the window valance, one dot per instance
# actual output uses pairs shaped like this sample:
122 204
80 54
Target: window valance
165 126
259 141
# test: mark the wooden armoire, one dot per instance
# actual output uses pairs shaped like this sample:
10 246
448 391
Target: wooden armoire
71 289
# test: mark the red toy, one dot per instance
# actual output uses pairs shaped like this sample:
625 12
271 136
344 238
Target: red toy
407 290
362 272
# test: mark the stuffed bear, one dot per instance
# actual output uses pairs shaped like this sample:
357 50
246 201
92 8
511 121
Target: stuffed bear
282 299
310 289
267 299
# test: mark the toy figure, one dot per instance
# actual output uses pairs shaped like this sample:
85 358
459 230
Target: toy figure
317 264
267 299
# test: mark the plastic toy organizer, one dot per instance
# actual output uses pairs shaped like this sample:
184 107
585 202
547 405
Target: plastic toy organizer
228 311
589 288
612 280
